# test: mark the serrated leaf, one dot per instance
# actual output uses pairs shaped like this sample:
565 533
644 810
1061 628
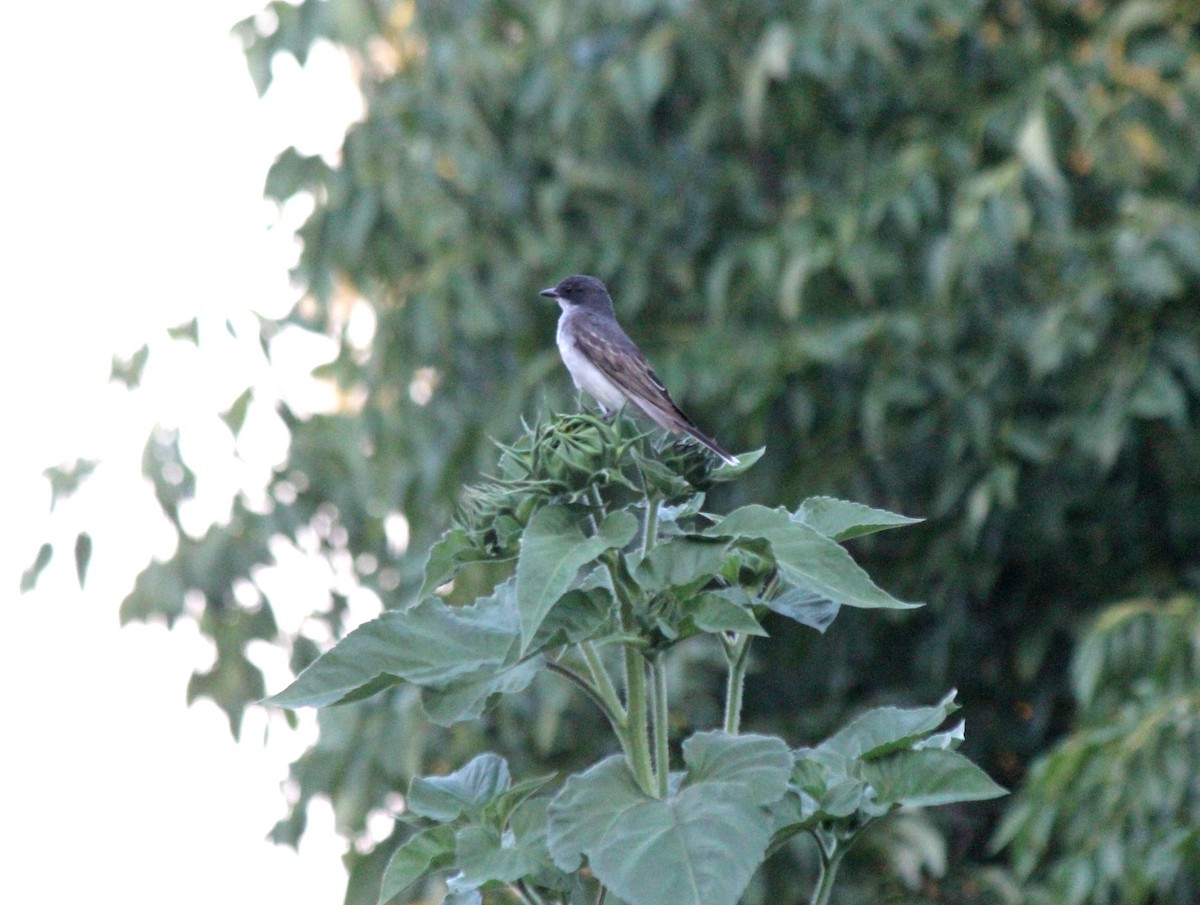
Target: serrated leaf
807 559
465 791
553 550
427 851
842 520
886 729
928 777
451 551
432 645
697 847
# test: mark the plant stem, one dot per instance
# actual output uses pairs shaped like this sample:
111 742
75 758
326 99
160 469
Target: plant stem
737 654
829 868
528 895
616 717
601 680
650 529
636 710
658 702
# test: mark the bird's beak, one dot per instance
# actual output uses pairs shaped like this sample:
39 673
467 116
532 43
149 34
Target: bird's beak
550 293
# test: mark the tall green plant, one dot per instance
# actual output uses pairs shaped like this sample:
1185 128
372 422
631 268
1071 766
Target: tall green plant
611 561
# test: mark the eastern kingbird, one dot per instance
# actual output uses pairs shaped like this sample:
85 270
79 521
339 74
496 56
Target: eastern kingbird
605 363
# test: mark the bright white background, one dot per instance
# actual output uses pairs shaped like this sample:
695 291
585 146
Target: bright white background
134 149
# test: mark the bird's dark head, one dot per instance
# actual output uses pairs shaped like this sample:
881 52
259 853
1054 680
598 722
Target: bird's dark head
580 291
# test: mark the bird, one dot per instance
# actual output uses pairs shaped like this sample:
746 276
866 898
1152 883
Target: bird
606 364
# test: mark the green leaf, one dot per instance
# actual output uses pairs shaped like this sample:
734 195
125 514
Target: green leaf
806 607
452 550
485 854
842 520
67 479
466 791
30 576
716 611
928 777
427 851
189 331
698 847
759 764
886 729
465 698
235 417
679 561
807 559
129 370
727 472
83 555
580 615
553 550
432 645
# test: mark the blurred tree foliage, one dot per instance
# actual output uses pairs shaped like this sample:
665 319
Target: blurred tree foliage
940 256
1112 812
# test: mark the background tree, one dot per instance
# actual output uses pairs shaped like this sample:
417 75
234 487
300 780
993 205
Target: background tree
940 257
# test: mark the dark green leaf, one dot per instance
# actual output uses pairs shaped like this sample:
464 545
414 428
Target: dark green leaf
466 791
553 550
759 765
697 847
842 520
679 561
427 851
928 777
806 607
450 551
465 698
727 472
886 729
579 615
723 611
807 559
431 644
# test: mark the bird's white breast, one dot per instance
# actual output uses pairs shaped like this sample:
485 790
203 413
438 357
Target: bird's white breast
586 375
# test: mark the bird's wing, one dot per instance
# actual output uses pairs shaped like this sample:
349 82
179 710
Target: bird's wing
622 362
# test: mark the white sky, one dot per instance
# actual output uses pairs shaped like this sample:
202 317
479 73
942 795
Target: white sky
134 151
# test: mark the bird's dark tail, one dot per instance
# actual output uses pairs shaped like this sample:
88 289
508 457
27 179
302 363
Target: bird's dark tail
694 432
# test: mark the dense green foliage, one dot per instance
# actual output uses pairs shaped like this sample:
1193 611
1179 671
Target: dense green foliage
1112 812
603 550
939 256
